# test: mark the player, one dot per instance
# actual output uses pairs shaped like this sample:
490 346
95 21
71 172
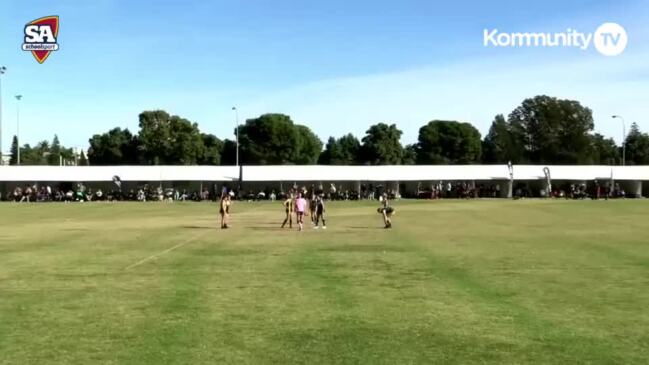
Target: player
224 210
386 210
288 207
228 203
313 197
300 208
319 212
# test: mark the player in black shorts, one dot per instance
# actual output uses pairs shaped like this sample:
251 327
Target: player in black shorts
224 210
386 210
288 207
311 199
319 212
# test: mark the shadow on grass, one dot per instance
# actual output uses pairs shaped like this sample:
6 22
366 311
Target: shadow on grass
268 228
366 227
199 227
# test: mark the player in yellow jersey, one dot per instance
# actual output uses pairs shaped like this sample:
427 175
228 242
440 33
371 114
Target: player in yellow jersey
288 207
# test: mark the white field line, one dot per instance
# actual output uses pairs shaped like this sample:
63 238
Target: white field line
146 259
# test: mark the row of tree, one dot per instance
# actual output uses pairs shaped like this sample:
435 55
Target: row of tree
163 139
46 153
542 130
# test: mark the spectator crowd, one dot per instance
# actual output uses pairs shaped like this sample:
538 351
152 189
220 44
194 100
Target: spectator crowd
441 190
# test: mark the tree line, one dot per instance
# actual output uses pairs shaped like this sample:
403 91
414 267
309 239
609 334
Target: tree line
46 153
542 130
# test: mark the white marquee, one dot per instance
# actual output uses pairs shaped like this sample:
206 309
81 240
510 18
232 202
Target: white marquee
319 173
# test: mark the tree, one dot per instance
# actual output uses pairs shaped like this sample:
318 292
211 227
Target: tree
342 151
637 147
409 155
381 145
37 155
186 143
55 152
212 150
166 139
271 139
53 157
116 147
350 148
155 136
13 158
83 161
43 153
29 155
331 149
162 139
309 146
229 152
500 145
553 130
448 142
603 151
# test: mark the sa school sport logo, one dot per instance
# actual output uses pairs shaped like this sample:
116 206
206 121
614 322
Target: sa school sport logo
41 37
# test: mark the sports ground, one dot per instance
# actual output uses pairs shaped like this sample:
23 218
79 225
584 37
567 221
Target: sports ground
499 281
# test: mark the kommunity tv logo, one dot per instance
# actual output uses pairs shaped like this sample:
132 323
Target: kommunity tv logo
609 39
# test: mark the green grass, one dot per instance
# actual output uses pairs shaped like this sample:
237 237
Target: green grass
453 282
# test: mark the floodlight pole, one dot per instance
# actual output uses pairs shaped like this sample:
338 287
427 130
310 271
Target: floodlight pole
236 116
2 71
623 138
18 97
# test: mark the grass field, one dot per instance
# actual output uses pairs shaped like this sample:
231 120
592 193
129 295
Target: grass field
453 282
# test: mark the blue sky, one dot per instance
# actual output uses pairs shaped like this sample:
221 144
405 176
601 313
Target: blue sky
336 66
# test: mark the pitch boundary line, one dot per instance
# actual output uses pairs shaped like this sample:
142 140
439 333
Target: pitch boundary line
154 256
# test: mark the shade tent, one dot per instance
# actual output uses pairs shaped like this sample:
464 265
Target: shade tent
125 173
318 173
375 173
582 173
